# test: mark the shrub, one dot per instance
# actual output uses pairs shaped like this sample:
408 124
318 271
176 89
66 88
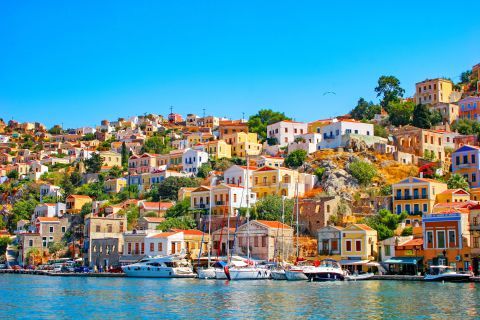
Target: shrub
363 171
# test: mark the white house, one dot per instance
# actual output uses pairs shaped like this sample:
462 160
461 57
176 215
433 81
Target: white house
192 160
286 131
164 243
307 142
334 133
387 246
49 210
48 190
237 175
4 139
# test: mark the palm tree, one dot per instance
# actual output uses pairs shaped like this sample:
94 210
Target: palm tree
456 181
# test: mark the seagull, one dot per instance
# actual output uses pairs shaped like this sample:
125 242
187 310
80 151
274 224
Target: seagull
325 93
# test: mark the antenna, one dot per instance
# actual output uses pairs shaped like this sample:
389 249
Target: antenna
171 109
203 113
243 116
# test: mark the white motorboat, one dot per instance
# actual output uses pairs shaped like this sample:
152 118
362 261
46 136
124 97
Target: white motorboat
172 266
326 270
213 272
296 273
359 276
247 273
206 273
447 274
278 274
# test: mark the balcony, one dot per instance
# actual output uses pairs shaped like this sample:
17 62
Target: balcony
414 197
200 206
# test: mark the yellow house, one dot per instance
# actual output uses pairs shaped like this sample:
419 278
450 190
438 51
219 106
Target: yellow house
453 195
150 130
115 185
416 195
475 194
432 91
243 144
75 202
218 149
111 159
359 243
271 181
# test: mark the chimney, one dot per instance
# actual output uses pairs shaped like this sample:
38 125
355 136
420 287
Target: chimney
421 174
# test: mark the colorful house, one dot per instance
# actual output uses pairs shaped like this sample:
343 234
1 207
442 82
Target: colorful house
358 246
447 239
218 149
465 162
453 195
474 225
416 195
75 202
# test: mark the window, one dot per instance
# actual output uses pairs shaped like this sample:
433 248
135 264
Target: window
129 248
465 159
416 208
30 243
399 208
387 250
152 247
425 208
475 221
143 248
476 242
407 208
348 245
451 238
457 160
473 158
264 241
97 228
160 247
429 239
441 239
255 241
51 229
474 177
109 228
64 229
328 208
358 245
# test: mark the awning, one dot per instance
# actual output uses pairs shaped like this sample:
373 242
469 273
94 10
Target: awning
353 262
403 260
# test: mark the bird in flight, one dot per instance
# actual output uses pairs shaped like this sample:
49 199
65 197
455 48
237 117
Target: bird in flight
331 92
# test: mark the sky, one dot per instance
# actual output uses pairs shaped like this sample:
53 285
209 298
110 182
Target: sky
78 62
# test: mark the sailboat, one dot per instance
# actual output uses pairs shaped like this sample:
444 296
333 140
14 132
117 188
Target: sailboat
209 271
250 271
278 273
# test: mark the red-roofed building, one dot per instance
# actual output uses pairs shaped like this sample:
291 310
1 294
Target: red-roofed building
164 243
159 208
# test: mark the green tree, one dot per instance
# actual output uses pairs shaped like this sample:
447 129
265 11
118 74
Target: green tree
466 126
222 164
270 208
75 178
4 242
388 88
184 223
115 172
55 247
86 209
296 158
168 188
88 137
125 155
55 130
133 213
380 131
465 76
180 209
156 144
365 110
204 170
408 231
400 113
21 210
456 181
12 175
94 163
258 123
363 171
385 223
421 117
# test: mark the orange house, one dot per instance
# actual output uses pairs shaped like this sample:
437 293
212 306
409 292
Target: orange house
446 239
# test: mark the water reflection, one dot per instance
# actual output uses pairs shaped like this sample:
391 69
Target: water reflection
25 296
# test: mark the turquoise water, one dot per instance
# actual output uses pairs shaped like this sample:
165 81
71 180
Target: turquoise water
41 297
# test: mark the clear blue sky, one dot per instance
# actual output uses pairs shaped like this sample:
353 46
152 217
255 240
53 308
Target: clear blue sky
78 62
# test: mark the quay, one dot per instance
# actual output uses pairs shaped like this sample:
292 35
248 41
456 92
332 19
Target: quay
64 274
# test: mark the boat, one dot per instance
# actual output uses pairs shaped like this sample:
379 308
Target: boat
213 272
447 274
326 270
278 274
172 266
251 271
359 276
296 273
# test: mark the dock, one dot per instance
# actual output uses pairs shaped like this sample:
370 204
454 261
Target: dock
64 274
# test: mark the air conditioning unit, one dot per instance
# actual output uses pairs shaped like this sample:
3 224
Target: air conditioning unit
458 258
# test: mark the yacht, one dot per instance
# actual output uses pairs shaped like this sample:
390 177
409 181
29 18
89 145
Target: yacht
447 274
278 274
247 273
172 266
326 270
211 272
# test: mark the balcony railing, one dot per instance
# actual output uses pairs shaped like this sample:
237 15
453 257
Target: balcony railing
414 197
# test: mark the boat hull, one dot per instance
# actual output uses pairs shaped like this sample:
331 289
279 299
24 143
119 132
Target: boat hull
220 274
295 275
278 275
448 278
359 277
324 276
161 272
249 274
208 273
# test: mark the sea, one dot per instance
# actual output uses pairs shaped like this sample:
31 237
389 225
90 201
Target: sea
43 297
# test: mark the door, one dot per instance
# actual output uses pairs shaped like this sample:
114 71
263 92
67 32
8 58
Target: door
173 248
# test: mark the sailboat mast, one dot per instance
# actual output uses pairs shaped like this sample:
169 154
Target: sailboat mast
209 225
248 209
283 223
296 199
